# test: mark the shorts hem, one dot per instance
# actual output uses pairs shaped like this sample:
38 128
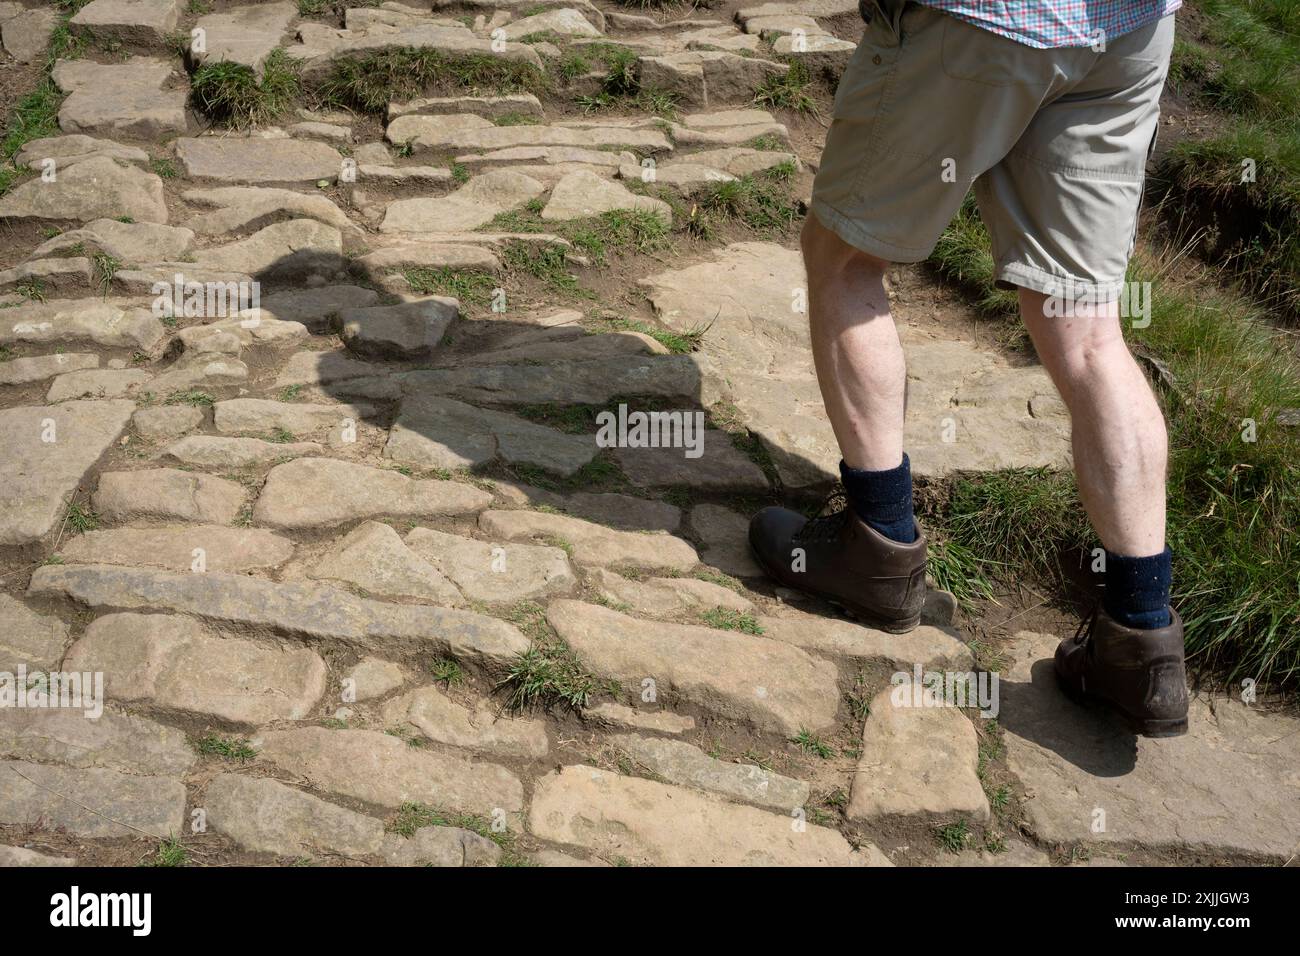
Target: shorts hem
1018 274
851 231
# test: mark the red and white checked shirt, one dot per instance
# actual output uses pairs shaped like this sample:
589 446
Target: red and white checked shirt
1057 23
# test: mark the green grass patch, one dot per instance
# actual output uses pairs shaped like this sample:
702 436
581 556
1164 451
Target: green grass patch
228 748
412 817
1247 228
36 115
812 745
192 396
468 285
548 672
80 519
727 619
548 265
104 268
762 201
1245 64
953 837
231 94
447 671
788 91
369 83
620 87
170 852
678 343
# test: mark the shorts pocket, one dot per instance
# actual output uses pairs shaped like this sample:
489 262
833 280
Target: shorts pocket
976 55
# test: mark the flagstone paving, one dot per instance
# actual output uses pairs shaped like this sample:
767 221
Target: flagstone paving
366 579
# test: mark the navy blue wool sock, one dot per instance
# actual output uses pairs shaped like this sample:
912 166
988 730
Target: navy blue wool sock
883 499
1137 590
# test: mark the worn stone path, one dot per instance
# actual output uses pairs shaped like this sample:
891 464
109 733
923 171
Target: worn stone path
320 549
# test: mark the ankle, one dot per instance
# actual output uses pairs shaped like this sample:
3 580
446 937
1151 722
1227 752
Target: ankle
882 499
1137 590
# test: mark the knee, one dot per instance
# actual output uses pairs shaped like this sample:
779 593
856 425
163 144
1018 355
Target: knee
828 259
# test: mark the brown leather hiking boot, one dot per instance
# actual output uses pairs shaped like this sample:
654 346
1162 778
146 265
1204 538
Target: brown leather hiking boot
844 560
1139 673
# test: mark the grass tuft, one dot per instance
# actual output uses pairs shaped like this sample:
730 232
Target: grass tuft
230 93
369 83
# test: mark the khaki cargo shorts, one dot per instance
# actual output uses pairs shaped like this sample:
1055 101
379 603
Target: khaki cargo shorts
1055 143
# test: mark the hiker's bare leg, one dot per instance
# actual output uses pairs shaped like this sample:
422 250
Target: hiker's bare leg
1118 432
855 347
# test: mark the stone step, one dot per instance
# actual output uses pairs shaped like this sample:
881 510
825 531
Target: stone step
628 718
681 763
255 160
215 451
175 663
183 548
584 195
690 378
462 136
439 718
164 422
292 608
386 771
711 462
495 573
140 98
98 383
167 494
81 321
131 243
473 205
1228 786
72 148
432 432
408 331
16 856
321 492
110 740
373 558
665 596
244 35
266 816
919 760
26 637
133 23
775 686
91 802
49 451
589 543
933 648
299 247
240 210
25 33
37 368
491 107
304 420
641 822
374 677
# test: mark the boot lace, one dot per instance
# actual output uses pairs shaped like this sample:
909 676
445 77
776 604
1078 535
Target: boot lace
1083 634
830 519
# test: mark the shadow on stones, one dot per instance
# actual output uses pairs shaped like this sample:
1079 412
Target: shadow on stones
1088 736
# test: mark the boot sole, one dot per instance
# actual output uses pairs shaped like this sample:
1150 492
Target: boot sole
859 613
1141 726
